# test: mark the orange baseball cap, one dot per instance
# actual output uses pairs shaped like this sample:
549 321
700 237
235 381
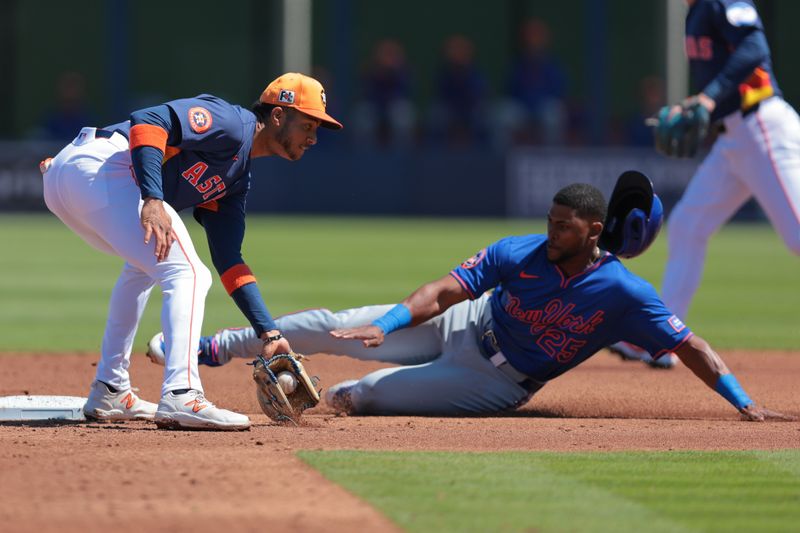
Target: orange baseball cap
300 92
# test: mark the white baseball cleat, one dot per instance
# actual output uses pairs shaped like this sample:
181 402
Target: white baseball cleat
155 349
103 404
339 396
191 410
668 360
631 352
628 351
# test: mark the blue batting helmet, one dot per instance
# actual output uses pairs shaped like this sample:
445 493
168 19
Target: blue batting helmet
634 218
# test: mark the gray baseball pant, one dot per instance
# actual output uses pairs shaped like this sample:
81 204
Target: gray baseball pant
443 372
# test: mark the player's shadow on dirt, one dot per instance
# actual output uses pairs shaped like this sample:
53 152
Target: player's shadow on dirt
551 413
121 426
41 423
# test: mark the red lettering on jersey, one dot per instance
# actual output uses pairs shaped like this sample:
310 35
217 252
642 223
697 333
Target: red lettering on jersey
196 172
212 185
699 47
557 345
554 325
706 48
555 313
691 47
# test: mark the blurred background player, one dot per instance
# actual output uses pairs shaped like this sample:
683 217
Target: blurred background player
458 113
70 111
120 187
651 97
536 109
756 153
555 301
385 116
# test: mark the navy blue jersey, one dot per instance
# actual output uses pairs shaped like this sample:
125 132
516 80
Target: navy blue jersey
195 152
546 323
206 154
729 57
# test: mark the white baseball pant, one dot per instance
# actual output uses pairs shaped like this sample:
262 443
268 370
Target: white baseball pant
90 187
758 155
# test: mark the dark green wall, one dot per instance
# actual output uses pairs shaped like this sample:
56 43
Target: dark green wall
422 27
780 19
167 50
634 40
53 37
181 47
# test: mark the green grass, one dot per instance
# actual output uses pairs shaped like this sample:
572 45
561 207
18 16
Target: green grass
522 491
54 288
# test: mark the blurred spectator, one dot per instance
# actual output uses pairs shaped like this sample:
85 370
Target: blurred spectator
652 96
457 114
386 116
537 110
71 112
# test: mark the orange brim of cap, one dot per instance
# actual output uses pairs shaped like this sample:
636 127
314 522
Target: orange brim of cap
327 120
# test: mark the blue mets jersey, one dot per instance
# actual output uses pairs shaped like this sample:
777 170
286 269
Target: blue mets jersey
729 57
546 323
195 152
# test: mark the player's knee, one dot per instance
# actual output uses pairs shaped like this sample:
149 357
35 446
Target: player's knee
676 236
793 242
203 276
364 397
194 277
683 228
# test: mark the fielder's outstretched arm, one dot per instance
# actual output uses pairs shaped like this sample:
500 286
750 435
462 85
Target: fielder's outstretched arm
428 301
701 359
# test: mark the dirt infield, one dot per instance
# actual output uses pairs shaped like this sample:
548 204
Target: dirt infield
132 477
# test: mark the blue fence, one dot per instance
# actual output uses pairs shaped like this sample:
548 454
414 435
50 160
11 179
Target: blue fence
520 183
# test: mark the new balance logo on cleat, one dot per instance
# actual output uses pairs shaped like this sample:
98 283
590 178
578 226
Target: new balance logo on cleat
128 401
191 410
197 405
105 405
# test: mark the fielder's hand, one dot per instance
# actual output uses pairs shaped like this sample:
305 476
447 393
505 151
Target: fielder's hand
680 129
156 221
371 336
274 346
754 413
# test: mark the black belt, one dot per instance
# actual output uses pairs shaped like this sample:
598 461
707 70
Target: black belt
107 134
491 351
720 128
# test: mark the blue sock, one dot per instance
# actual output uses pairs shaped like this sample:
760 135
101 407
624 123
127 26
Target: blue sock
207 353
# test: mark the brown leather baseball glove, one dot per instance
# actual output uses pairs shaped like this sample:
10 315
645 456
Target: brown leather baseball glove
275 403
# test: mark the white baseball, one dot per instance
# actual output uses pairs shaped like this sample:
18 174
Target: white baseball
287 381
